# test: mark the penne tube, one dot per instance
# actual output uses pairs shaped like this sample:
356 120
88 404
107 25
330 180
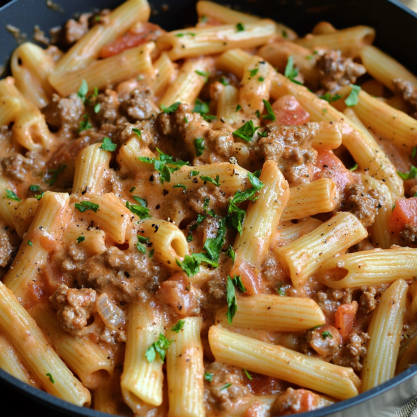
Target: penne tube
227 104
287 232
323 27
91 170
262 218
167 240
7 206
274 313
305 255
349 41
129 153
234 61
112 217
187 86
380 233
384 68
327 135
195 42
87 359
103 72
87 49
24 214
370 267
279 362
321 196
385 331
45 231
142 380
9 109
25 335
164 74
29 129
12 363
185 370
31 66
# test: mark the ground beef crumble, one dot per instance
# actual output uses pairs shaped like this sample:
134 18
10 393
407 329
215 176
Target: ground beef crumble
6 249
408 91
409 234
353 351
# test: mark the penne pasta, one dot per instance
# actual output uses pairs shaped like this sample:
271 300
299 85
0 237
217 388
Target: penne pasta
164 74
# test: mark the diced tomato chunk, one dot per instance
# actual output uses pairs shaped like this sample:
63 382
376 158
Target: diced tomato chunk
148 32
405 212
289 112
294 401
344 318
330 166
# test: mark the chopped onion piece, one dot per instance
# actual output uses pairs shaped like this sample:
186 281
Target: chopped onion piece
111 315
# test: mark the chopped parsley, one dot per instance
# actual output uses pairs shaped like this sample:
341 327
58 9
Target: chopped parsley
97 108
200 219
205 74
329 98
201 107
413 154
85 123
326 334
208 376
246 131
141 211
247 374
271 114
191 263
231 253
281 291
34 188
83 90
140 243
80 239
185 119
178 326
138 132
352 98
181 35
12 196
238 107
29 243
51 378
86 205
231 300
55 173
354 167
224 81
39 196
199 146
140 200
253 72
258 114
261 79
315 327
214 245
108 145
284 34
206 179
194 173
291 72
240 27
229 384
206 203
204 19
160 347
151 253
132 189
408 175
171 108
180 186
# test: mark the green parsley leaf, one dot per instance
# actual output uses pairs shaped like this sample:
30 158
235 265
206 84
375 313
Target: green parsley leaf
326 334
271 114
258 114
86 205
108 145
246 131
160 347
354 167
83 90
231 300
200 219
206 203
206 178
80 239
30 243
258 173
205 74
413 154
238 107
141 201
208 376
415 194
226 386
179 35
51 378
143 239
281 291
194 173
352 98
329 98
85 123
261 79
247 374
39 196
393 207
240 27
324 110
140 211
171 108
34 188
315 327
231 253
214 245
12 196
408 175
178 326
138 132
209 117
201 107
132 189
199 146
203 19
291 72
97 108
284 34
55 173
224 81
185 119
139 245
237 281
189 265
151 253
253 72
180 186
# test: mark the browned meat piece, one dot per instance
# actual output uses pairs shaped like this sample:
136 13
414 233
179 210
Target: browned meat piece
294 401
362 203
289 147
74 30
325 340
108 107
6 249
16 167
139 105
178 294
225 399
73 307
408 92
203 200
353 351
335 71
331 299
409 234
64 113
148 133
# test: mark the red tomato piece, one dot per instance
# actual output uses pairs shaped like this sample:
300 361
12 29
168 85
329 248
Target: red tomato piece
344 318
405 212
148 32
330 166
289 112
